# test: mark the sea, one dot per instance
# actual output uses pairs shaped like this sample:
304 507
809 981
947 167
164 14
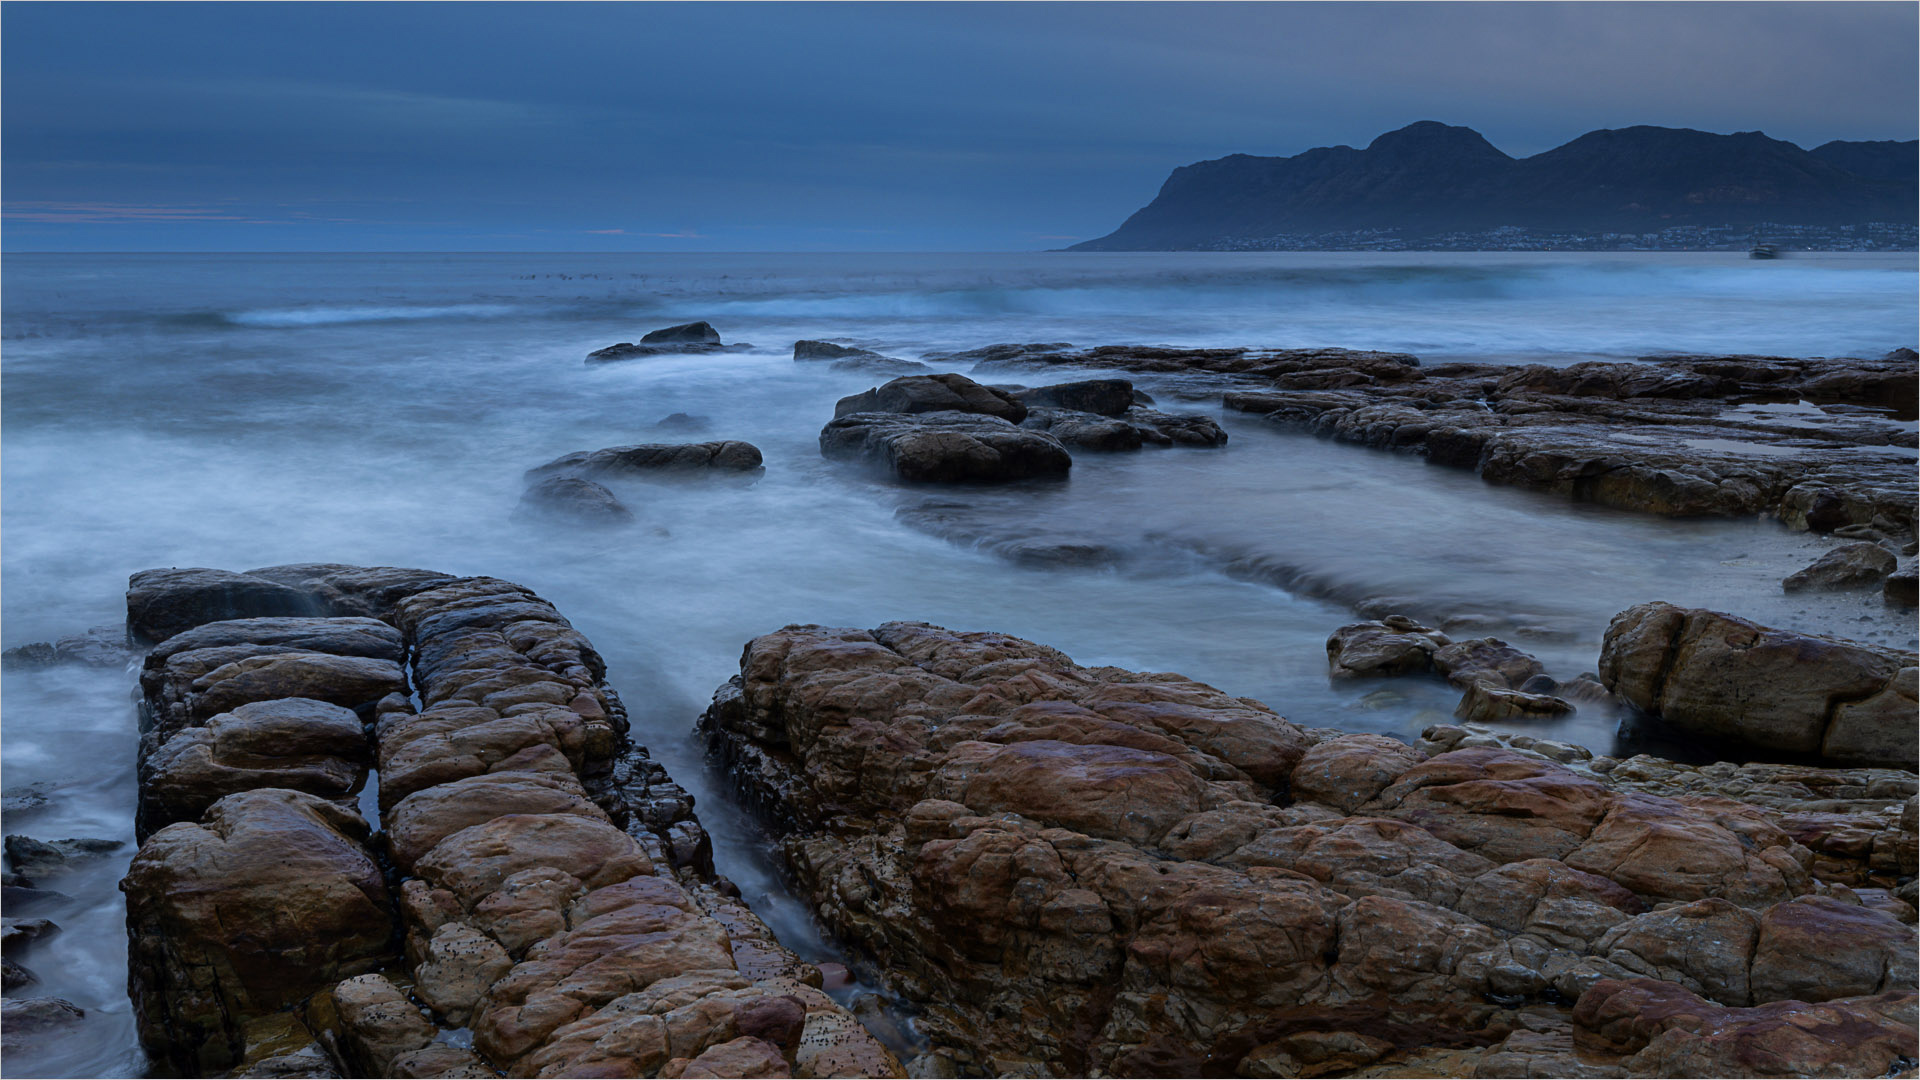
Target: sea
242 410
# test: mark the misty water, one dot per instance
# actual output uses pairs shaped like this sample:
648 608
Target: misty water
241 411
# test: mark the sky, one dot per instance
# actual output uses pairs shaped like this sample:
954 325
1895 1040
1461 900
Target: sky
853 127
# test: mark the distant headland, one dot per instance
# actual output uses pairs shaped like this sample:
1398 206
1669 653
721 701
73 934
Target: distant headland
1433 186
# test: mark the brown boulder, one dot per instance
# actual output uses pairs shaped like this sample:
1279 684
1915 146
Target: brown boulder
1849 566
1723 676
294 743
268 900
1395 645
1818 948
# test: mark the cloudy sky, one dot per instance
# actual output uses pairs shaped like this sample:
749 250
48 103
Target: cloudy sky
726 127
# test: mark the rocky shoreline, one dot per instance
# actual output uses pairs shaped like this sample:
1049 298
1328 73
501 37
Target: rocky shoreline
525 892
1090 871
391 822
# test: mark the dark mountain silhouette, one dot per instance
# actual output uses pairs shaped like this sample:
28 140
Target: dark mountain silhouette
1431 178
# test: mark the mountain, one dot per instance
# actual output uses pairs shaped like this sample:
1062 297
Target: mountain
1429 178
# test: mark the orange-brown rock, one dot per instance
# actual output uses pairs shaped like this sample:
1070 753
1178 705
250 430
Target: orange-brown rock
269 899
1072 869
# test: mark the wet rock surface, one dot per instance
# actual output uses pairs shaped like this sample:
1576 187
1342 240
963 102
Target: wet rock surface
570 498
913 394
1849 566
1724 676
1074 870
695 337
944 447
1671 435
534 876
654 459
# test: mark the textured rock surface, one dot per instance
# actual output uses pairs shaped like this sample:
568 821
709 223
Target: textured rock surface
1075 869
547 869
944 447
272 897
1720 675
934 393
1849 566
1656 436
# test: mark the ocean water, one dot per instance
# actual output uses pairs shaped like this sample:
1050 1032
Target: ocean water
243 410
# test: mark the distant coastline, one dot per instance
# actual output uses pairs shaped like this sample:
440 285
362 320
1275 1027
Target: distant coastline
1434 187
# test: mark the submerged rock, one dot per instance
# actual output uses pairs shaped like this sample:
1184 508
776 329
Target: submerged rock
38 859
1723 676
654 460
102 646
574 499
944 447
682 422
1849 566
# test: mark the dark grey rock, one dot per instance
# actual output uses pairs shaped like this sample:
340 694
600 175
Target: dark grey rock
945 447
1107 397
651 459
574 499
39 859
914 394
19 933
682 422
162 603
693 333
1902 587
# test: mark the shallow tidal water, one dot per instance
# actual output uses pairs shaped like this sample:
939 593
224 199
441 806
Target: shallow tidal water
241 411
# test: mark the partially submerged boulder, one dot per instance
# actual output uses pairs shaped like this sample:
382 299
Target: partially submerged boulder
1395 645
1723 676
914 394
693 337
573 499
650 460
1849 566
944 447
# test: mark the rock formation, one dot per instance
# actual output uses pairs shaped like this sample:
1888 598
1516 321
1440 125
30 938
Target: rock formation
1073 870
1723 676
533 877
694 337
1670 435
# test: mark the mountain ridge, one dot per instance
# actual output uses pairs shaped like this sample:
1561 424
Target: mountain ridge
1430 178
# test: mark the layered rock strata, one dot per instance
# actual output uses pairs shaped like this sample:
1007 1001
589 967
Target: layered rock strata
1677 435
1719 675
535 878
1076 871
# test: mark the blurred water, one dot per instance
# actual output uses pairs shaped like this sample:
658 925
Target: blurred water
239 411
